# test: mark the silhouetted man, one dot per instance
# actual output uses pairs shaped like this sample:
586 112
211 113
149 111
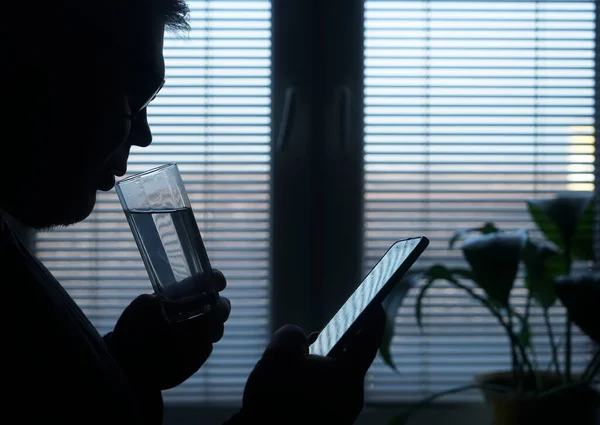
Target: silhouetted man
77 77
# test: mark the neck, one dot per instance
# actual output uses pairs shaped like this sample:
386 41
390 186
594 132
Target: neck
25 233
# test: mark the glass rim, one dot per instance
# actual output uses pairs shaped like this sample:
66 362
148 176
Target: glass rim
147 172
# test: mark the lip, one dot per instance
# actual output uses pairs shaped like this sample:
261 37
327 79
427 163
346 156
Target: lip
106 183
120 172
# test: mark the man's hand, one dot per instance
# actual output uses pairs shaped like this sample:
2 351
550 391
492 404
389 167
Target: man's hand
160 354
290 386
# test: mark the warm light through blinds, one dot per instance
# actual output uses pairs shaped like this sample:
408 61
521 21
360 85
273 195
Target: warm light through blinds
213 119
471 108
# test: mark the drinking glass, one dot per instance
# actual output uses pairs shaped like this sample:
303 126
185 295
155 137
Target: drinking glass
161 219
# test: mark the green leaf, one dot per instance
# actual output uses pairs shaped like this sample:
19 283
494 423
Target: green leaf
494 261
543 264
391 304
487 228
435 272
558 218
419 304
582 246
543 222
580 295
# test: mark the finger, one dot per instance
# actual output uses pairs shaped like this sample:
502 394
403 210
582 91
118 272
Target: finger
219 280
217 332
289 342
145 307
147 302
221 311
363 347
313 337
186 367
207 323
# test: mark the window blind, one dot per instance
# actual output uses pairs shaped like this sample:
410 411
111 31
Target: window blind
470 109
213 119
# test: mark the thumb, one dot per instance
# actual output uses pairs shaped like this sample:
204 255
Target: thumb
288 342
146 309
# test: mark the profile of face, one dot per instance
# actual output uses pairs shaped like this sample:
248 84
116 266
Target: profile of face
94 112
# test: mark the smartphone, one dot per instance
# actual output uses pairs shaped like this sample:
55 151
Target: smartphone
372 291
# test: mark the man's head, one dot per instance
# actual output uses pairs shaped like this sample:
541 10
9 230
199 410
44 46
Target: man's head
77 79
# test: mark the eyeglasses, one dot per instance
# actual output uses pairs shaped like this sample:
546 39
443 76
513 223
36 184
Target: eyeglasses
141 93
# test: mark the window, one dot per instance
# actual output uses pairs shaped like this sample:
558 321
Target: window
470 109
213 119
312 134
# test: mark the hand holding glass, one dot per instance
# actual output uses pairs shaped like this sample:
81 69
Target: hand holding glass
159 213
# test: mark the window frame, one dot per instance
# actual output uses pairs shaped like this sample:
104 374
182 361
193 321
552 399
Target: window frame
317 175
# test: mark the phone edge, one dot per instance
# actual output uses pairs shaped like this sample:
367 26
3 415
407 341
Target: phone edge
385 291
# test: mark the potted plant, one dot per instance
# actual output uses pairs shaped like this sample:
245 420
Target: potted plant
526 394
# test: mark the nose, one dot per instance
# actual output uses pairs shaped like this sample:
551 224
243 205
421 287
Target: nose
140 134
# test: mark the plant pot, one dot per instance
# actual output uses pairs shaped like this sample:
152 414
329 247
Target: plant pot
577 404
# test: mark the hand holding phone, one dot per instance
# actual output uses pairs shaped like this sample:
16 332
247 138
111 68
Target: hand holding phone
290 386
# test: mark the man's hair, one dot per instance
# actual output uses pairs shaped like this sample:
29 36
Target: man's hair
176 14
88 16
120 13
68 33
81 25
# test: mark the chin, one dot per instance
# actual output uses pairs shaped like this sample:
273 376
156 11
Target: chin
78 210
55 213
